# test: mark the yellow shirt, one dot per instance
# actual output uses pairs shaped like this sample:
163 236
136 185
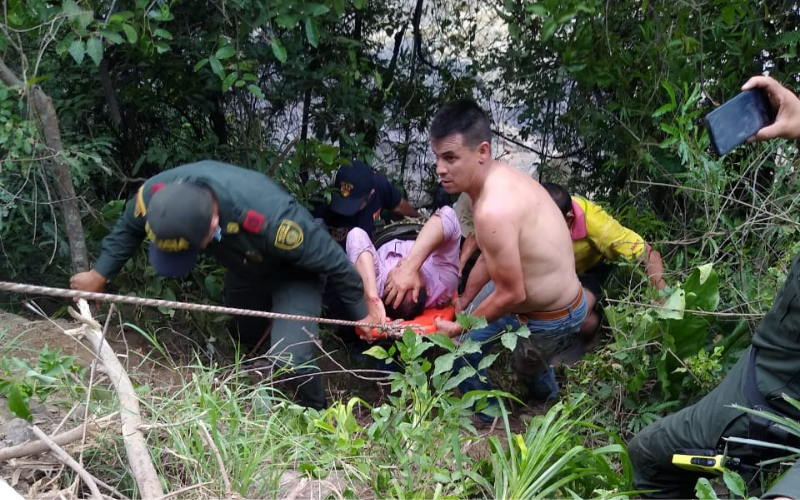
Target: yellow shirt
597 235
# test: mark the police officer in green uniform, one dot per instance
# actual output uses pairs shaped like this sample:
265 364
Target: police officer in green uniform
769 368
276 255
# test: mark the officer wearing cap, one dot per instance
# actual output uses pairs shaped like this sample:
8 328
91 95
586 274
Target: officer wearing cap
360 196
275 254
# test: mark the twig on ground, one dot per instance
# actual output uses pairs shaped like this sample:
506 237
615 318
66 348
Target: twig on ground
210 442
183 490
34 447
92 373
148 427
64 457
141 464
297 489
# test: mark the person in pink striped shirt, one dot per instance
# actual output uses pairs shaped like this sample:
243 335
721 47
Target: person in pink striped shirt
432 259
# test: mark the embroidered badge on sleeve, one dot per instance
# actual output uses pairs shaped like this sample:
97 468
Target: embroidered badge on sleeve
289 235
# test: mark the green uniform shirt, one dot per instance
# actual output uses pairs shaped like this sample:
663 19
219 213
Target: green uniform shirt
266 234
778 363
778 341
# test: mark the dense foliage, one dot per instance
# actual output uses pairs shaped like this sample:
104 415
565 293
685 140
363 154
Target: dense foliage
608 95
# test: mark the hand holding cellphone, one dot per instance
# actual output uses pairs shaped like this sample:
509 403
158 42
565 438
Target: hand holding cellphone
738 119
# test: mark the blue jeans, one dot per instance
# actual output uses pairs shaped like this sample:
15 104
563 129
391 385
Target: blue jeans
532 356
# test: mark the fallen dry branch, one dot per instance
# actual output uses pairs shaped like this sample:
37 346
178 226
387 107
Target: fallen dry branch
142 468
70 462
34 447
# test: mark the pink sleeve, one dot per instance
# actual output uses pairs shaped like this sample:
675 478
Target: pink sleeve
358 242
452 229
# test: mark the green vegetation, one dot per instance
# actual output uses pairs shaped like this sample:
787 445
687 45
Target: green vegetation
609 95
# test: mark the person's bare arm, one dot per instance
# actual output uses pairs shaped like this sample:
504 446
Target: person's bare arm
405 277
786 106
500 249
478 277
654 268
405 209
365 265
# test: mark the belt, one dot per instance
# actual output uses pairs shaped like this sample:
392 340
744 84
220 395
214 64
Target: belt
551 315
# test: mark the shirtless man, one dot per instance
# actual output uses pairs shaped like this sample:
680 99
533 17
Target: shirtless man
527 248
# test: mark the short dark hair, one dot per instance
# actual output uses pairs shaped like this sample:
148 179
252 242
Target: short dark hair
465 117
560 195
408 308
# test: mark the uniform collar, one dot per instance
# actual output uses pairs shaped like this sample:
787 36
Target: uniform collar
578 231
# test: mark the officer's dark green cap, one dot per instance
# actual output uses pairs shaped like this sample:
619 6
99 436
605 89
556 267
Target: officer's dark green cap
178 220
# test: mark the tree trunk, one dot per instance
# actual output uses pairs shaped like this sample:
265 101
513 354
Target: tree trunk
417 51
109 93
42 106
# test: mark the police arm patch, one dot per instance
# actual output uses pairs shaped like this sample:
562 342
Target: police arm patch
253 222
289 235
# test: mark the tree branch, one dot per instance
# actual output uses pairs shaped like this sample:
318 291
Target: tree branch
141 464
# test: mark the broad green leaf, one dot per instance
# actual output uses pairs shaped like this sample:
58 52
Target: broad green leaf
443 363
84 20
77 50
566 17
161 47
70 8
162 33
339 7
111 36
705 271
359 4
537 9
256 91
674 306
216 66
443 341
487 361
286 21
327 153
509 340
704 490
312 32
228 81
549 29
278 50
200 64
225 52
94 47
729 14
17 403
63 47
702 289
120 17
213 285
377 352
735 483
317 9
130 32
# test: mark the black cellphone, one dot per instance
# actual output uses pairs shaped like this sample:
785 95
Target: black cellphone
738 119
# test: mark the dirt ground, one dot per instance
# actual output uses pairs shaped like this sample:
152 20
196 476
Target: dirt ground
25 337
